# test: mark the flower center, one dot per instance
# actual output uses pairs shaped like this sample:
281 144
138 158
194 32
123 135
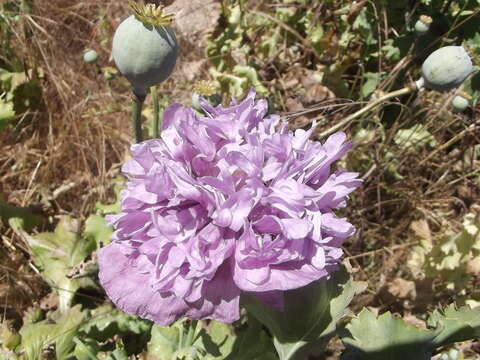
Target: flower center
151 14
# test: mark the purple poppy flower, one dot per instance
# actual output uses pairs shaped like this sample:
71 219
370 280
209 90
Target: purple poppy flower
228 203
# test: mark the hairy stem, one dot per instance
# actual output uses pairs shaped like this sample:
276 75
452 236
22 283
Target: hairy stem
156 112
137 103
368 107
192 329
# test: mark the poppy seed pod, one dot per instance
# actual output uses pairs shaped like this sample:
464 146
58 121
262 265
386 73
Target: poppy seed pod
90 56
423 24
461 101
144 50
446 68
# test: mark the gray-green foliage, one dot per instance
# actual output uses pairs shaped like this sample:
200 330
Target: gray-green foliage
385 337
191 341
454 325
414 138
449 258
106 321
20 92
53 334
81 333
310 315
389 338
234 77
20 88
57 253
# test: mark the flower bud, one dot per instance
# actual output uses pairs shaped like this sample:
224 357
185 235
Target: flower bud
423 24
446 68
207 90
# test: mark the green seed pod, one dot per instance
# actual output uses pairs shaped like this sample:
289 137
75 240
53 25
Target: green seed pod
144 50
461 101
90 56
423 24
446 68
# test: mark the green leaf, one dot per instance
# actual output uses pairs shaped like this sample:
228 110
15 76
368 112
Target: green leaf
309 317
385 338
61 331
108 208
86 349
191 340
56 254
27 96
217 340
390 50
67 327
449 257
119 353
390 338
6 113
9 338
364 25
472 84
370 83
415 137
115 207
98 230
251 74
252 343
105 322
164 342
35 337
454 325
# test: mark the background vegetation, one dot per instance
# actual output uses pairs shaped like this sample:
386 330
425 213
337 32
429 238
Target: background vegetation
65 131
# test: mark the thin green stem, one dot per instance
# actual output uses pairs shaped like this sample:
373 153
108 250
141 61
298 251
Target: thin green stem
156 111
137 103
191 332
368 107
224 9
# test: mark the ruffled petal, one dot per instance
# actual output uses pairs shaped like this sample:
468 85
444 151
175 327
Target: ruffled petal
128 287
227 202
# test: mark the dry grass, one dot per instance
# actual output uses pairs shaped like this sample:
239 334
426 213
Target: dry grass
66 156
